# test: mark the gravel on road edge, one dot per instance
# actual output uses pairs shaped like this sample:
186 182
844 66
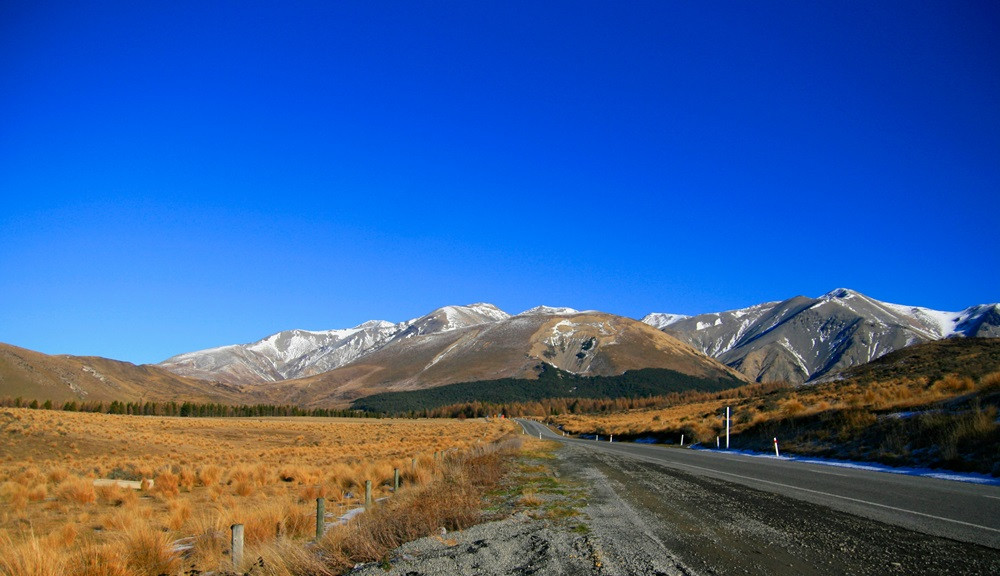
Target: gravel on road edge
590 513
573 524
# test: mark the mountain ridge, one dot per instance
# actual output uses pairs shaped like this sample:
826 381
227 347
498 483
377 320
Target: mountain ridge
803 339
799 339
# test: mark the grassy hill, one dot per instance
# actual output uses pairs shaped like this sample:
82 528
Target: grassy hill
35 376
933 404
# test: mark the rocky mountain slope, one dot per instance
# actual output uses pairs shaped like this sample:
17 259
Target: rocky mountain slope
329 369
299 353
586 343
803 339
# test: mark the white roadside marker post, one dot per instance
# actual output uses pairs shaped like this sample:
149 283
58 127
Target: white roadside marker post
727 427
716 442
597 438
776 448
611 439
682 440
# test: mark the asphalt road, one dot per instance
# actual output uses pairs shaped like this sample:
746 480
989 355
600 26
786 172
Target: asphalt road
957 510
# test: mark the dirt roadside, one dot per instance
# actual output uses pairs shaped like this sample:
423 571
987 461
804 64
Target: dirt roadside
633 518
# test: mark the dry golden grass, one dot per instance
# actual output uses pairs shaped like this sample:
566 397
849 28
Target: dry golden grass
30 556
206 474
452 503
703 421
77 491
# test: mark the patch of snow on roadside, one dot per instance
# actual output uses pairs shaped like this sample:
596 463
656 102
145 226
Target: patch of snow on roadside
971 477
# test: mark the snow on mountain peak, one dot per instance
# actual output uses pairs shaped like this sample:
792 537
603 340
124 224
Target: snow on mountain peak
660 320
548 311
840 294
450 318
374 324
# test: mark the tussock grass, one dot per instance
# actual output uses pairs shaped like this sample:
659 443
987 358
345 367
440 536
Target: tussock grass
29 556
948 422
209 475
98 560
77 490
199 477
453 502
148 552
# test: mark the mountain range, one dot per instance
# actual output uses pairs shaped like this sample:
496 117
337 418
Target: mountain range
804 339
800 339
452 344
797 340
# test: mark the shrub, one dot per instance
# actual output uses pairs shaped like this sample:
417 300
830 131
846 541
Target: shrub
78 490
28 557
166 484
187 478
98 560
148 551
209 475
289 558
990 382
452 503
180 511
57 475
113 494
792 408
952 384
38 493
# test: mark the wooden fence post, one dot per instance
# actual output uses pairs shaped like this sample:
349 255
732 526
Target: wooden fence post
237 546
368 493
320 517
395 479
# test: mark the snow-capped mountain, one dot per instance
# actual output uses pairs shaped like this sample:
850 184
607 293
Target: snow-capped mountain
299 353
799 339
451 344
585 343
548 311
802 339
660 320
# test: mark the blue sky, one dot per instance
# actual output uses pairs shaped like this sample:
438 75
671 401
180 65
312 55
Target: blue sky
176 176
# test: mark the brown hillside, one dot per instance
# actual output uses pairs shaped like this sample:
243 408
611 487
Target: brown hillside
584 343
968 357
36 376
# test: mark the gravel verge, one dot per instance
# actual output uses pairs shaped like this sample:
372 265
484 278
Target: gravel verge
604 514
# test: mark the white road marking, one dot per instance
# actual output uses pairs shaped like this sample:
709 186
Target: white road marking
828 473
828 494
858 500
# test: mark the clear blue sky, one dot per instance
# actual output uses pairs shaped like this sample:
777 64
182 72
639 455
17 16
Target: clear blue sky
175 176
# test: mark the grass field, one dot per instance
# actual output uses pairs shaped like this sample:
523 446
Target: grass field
948 422
198 477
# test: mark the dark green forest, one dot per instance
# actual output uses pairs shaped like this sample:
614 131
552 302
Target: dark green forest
551 383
